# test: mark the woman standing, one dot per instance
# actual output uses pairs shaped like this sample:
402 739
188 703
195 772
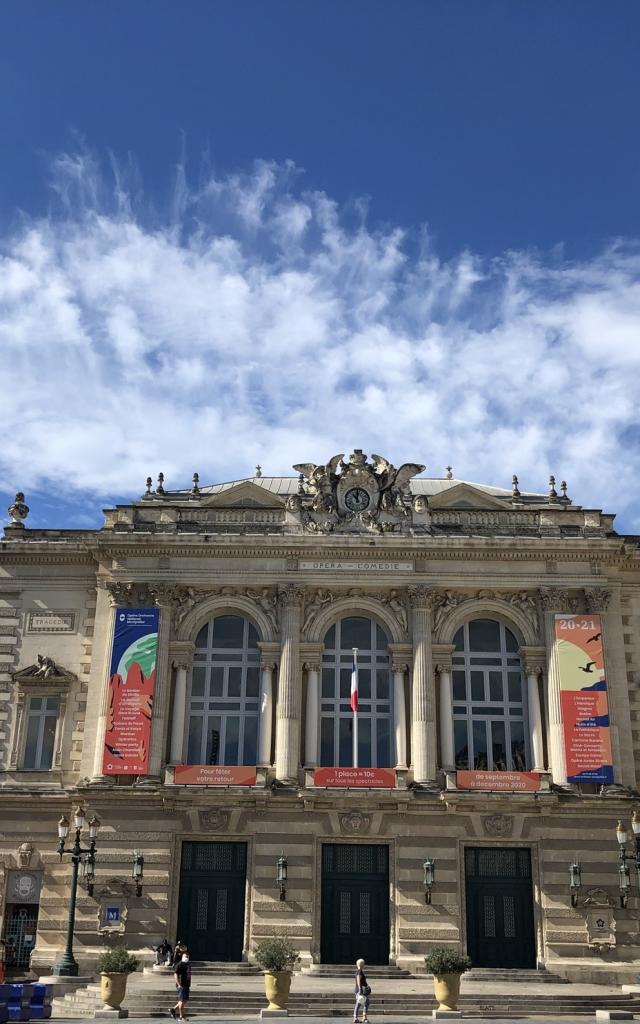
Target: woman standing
363 991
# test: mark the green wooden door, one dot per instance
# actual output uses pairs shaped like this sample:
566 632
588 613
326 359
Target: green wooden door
355 904
500 929
212 897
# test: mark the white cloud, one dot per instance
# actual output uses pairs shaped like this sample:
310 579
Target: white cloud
260 324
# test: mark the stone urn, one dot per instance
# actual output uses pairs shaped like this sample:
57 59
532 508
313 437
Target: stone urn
447 990
112 989
276 988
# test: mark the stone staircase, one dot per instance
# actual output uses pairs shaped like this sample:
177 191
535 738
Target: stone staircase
323 990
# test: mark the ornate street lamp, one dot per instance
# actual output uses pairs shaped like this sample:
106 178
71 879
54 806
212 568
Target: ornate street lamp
635 825
429 872
575 881
623 867
137 871
281 875
67 966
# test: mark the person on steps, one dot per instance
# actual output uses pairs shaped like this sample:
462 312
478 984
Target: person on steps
183 984
363 991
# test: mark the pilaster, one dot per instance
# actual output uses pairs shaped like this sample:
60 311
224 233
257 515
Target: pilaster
423 703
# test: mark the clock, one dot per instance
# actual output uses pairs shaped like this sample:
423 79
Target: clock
357 499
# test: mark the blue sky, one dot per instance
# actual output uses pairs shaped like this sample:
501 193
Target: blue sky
240 232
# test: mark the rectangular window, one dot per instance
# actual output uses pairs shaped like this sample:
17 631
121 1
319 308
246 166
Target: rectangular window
461 742
42 719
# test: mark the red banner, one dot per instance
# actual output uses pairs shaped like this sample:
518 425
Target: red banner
583 698
213 775
132 679
371 778
494 782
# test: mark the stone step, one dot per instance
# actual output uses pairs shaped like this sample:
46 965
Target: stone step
348 970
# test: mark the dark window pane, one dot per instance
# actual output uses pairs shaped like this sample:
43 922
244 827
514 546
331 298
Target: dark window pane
517 747
382 684
326 742
202 637
383 743
364 684
459 710
355 632
382 640
328 682
461 744
459 639
249 755
459 686
364 743
495 686
477 686
216 682
231 740
480 756
510 641
35 704
197 681
345 682
194 746
499 746
214 739
487 709
515 686
52 704
31 748
228 631
235 683
253 636
48 737
252 682
484 635
330 639
345 755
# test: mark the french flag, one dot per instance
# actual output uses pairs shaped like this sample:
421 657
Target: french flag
354 684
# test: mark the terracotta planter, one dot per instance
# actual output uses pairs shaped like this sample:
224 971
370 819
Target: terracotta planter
447 990
112 990
276 988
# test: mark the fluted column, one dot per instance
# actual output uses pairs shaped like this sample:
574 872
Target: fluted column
290 599
447 752
533 663
312 730
266 713
423 704
399 716
554 599
181 657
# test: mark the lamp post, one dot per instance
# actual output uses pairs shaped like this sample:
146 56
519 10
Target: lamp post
623 867
429 873
281 875
575 881
137 871
67 966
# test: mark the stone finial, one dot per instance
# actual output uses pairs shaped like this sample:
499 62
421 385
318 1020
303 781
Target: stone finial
449 472
553 494
149 485
514 486
563 488
160 487
195 489
258 470
18 510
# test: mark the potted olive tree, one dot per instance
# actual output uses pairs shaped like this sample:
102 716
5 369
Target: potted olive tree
276 956
115 965
447 966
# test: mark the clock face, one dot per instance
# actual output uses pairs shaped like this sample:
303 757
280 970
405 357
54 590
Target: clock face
357 499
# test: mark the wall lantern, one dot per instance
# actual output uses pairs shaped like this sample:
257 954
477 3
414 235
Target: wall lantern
429 869
575 881
89 872
624 880
137 871
281 875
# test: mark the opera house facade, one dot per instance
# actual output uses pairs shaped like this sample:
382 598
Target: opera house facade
185 674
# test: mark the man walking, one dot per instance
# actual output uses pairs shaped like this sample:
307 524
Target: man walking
183 984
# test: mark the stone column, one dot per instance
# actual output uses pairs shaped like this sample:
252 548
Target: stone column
312 724
290 599
554 600
423 704
109 596
401 656
181 656
269 653
447 752
533 663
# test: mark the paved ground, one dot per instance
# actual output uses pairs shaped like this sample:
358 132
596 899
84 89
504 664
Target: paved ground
372 1018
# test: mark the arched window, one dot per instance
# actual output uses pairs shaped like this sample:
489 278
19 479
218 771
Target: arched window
374 695
223 706
489 720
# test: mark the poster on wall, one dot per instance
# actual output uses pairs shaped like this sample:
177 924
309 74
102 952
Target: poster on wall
214 775
583 698
132 679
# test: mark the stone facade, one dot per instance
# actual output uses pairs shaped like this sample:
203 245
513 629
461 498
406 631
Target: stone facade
294 556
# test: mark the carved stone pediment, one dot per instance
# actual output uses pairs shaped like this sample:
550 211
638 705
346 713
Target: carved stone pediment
464 495
45 671
354 496
243 494
597 898
114 887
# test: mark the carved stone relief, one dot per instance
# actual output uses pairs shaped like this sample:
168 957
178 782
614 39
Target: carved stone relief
215 820
498 825
355 823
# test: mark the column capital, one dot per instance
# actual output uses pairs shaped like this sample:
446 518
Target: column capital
401 656
534 660
311 655
291 595
269 653
127 594
442 657
181 653
421 596
597 598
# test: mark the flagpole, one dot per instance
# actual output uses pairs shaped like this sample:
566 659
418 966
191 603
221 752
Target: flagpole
354 704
